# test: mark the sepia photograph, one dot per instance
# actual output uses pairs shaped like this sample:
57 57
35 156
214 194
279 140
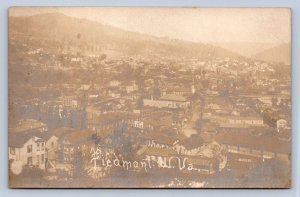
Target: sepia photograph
149 97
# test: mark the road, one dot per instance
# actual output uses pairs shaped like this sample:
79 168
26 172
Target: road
190 128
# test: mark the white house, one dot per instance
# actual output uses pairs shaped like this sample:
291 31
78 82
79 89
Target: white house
27 150
138 124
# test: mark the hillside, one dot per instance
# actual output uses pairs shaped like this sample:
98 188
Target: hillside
247 49
90 34
279 53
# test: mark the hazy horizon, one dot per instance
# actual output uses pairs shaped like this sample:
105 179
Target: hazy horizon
188 24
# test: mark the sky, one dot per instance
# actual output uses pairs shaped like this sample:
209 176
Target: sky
207 25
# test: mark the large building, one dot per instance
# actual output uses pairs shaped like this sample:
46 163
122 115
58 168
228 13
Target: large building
168 101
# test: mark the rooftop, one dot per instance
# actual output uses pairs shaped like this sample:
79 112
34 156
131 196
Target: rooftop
78 137
19 139
28 124
173 97
265 143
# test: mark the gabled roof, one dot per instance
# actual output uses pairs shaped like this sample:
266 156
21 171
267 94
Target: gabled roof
19 139
78 137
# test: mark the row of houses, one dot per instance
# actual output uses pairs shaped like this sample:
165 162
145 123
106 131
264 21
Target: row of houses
247 148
